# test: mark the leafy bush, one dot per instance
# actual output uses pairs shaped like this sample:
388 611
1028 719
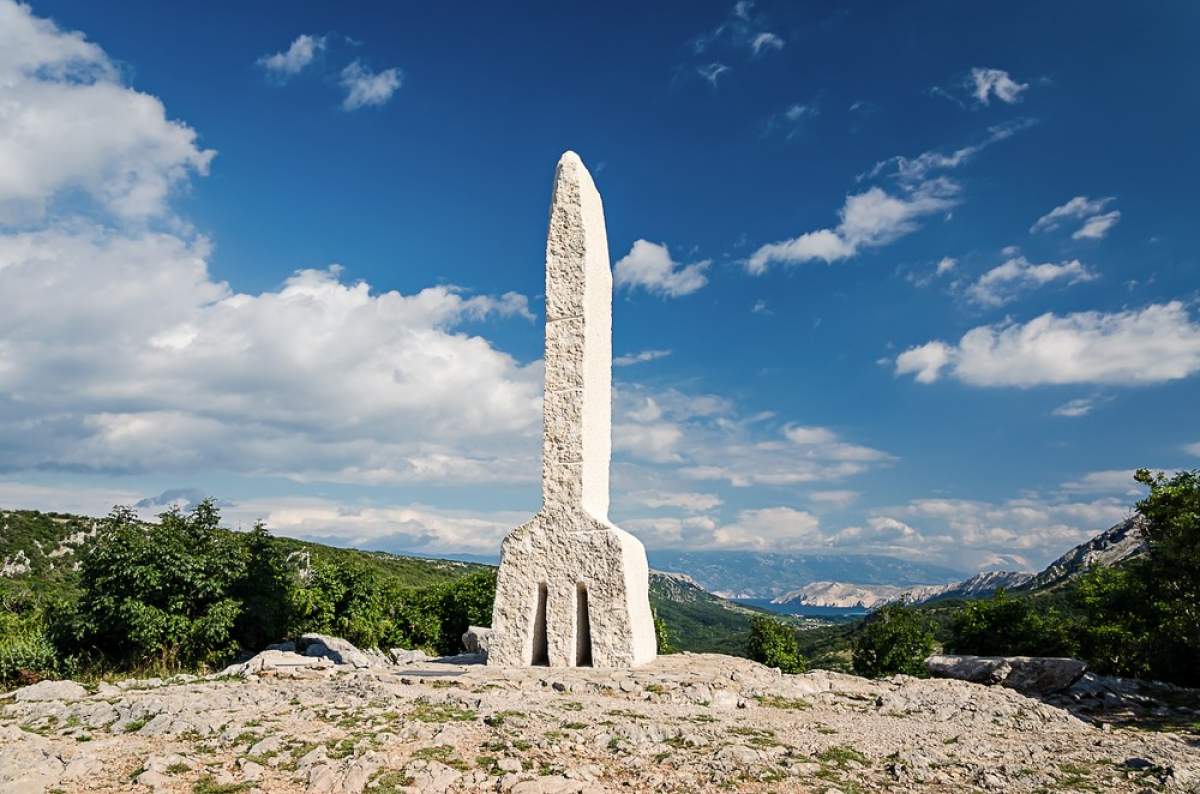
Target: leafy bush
26 653
895 639
156 593
1007 626
774 644
662 636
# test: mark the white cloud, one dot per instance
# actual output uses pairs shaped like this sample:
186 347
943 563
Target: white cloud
1026 530
365 88
1096 222
912 171
836 498
1097 227
1155 344
293 60
1108 481
742 29
712 72
649 266
769 528
174 371
69 125
987 83
869 219
874 217
791 120
640 357
1192 449
945 265
1080 406
1003 283
765 41
689 501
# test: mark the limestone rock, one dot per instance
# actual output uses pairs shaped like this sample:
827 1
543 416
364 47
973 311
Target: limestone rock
477 639
335 649
280 663
1029 674
51 690
573 590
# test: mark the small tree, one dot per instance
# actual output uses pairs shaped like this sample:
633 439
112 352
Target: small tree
265 591
662 636
775 645
895 639
156 593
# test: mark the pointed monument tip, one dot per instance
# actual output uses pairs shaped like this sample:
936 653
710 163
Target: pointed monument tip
569 157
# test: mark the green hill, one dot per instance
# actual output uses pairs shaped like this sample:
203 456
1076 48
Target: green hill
38 554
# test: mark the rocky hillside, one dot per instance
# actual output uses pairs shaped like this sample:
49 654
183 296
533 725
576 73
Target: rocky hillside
759 575
687 722
1111 547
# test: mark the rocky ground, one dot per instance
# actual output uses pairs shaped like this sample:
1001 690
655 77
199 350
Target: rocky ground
687 723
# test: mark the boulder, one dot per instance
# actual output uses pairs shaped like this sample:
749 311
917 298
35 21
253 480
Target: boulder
405 656
335 649
1032 675
477 639
283 664
50 690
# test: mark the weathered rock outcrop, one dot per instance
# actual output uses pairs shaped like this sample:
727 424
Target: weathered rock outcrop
1030 674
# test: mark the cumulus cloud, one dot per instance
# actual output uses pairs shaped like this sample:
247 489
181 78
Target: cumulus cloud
70 126
988 83
1003 283
1192 449
945 265
649 266
365 88
1107 481
292 61
1156 344
174 371
1029 532
641 357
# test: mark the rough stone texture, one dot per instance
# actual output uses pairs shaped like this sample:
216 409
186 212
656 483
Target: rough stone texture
573 589
51 690
684 723
477 639
1030 674
335 649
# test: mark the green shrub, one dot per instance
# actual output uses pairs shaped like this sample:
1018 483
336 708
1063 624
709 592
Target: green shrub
895 639
774 644
1007 626
662 636
155 593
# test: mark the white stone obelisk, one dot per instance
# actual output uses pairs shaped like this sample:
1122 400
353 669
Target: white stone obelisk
573 590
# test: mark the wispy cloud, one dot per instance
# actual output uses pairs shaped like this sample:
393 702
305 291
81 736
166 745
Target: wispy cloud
640 358
1080 406
1003 283
988 83
295 58
712 72
1096 222
365 88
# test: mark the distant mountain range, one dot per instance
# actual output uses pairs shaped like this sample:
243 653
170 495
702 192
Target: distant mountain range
767 576
1115 545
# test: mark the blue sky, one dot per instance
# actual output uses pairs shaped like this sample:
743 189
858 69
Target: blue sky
917 279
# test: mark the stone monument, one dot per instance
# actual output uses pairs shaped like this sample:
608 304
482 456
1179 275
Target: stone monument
573 590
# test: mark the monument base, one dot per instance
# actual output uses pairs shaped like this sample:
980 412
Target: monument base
572 599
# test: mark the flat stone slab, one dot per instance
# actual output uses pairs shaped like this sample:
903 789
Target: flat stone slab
1030 674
